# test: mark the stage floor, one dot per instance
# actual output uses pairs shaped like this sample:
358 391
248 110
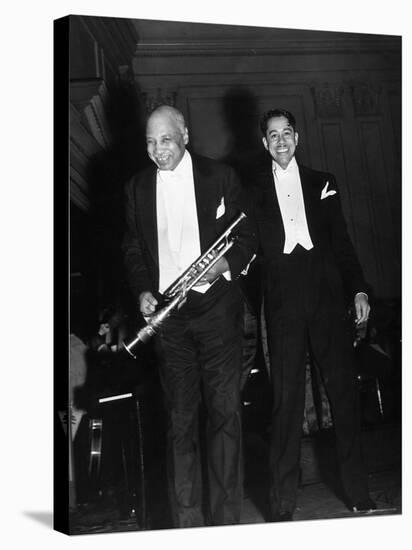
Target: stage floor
318 492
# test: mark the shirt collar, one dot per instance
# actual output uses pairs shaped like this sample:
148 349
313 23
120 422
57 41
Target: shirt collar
182 169
290 169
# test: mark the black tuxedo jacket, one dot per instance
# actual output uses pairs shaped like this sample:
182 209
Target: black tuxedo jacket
326 225
213 182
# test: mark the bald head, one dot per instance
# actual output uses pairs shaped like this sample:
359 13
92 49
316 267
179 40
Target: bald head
166 137
167 112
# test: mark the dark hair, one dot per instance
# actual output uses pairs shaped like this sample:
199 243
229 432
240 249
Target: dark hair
276 113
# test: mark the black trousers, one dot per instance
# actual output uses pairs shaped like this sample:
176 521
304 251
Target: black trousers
305 310
201 358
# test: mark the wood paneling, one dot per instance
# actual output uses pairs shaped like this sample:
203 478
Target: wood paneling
379 201
335 162
344 91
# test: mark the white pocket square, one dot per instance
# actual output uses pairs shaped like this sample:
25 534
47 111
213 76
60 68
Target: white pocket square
220 209
325 193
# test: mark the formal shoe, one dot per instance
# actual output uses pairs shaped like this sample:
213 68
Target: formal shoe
366 505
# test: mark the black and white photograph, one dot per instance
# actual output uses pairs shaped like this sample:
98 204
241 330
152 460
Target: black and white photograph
205 275
235 270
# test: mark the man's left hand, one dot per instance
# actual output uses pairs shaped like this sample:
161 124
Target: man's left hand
362 308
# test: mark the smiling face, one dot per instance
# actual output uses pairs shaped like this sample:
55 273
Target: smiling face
280 140
166 138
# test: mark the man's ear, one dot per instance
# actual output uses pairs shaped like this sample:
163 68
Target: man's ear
186 136
265 143
296 138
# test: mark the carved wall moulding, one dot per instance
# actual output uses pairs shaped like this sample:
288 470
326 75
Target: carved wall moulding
90 97
274 42
116 38
160 97
79 191
328 100
366 99
83 147
125 74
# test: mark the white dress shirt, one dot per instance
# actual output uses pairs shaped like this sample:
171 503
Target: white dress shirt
177 224
292 207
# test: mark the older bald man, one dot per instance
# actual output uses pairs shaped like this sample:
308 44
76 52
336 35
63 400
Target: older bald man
175 210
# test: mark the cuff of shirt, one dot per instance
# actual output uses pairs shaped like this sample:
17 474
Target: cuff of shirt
364 293
227 275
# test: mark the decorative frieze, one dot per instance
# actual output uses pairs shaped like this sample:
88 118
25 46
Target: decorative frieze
365 99
83 147
116 39
90 97
328 99
160 97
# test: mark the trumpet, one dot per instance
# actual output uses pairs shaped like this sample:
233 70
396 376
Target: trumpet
177 292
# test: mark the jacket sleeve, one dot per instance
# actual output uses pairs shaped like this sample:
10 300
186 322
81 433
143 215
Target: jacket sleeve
244 247
344 251
133 248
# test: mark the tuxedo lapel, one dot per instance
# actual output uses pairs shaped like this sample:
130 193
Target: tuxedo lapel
311 200
148 214
204 204
269 206
271 196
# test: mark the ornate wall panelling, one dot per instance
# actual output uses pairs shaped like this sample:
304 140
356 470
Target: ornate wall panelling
328 100
100 51
379 167
350 119
90 97
392 121
206 67
154 98
88 134
114 43
394 101
340 150
210 112
83 146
